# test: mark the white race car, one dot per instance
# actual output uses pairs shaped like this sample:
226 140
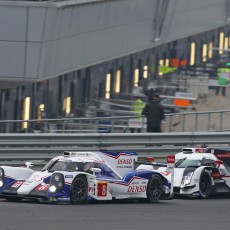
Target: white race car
76 177
200 172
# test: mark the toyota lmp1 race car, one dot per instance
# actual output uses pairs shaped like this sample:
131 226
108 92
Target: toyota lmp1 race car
77 177
201 172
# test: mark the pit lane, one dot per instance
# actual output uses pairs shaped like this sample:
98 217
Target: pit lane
173 214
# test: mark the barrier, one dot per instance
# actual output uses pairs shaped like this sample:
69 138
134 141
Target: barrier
45 146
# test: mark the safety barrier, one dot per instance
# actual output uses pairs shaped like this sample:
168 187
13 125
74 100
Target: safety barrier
45 146
175 122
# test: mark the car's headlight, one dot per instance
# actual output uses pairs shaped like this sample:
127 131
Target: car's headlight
1 177
187 179
57 182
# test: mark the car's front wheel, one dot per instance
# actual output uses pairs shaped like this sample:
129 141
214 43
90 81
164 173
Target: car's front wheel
79 190
205 185
155 189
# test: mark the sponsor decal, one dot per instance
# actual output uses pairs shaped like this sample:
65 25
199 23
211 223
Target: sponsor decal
124 161
17 184
42 187
102 189
171 159
91 189
35 176
165 173
135 183
122 166
136 189
225 155
68 176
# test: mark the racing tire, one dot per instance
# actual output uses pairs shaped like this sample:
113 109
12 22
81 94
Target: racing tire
205 185
79 190
155 189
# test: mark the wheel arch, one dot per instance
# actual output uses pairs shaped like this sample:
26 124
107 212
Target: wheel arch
199 170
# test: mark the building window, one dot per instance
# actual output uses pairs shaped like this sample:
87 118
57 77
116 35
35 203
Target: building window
161 63
167 62
192 53
145 72
226 43
108 86
26 112
118 81
41 111
221 43
67 105
210 50
136 77
204 52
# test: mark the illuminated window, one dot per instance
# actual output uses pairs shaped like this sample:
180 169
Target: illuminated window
221 43
167 62
210 50
26 112
118 81
40 110
161 62
192 53
136 77
204 53
67 105
145 71
226 43
107 87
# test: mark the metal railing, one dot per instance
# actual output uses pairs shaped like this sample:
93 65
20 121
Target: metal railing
174 122
19 147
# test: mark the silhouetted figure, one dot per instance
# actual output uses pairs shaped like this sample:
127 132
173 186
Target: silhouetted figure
154 113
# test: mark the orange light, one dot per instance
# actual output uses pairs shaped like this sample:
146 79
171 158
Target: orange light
175 62
181 102
183 63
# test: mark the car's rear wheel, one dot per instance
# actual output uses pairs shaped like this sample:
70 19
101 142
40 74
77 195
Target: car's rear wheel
205 185
79 190
155 189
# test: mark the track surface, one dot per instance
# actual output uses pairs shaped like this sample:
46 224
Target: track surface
176 214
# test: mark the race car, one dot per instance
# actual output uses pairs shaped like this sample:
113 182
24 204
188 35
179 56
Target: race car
201 172
78 177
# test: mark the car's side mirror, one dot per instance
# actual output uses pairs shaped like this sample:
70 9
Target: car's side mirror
29 164
95 170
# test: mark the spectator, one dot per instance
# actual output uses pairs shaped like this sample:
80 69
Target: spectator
154 113
222 83
138 107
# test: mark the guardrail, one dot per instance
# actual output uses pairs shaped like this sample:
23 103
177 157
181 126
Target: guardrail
174 122
16 147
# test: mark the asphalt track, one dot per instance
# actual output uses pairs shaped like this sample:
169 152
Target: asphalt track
195 214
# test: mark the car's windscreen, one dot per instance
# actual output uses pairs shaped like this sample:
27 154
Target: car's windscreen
60 165
184 162
72 166
48 165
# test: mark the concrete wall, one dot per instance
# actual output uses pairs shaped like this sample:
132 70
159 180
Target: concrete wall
40 40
